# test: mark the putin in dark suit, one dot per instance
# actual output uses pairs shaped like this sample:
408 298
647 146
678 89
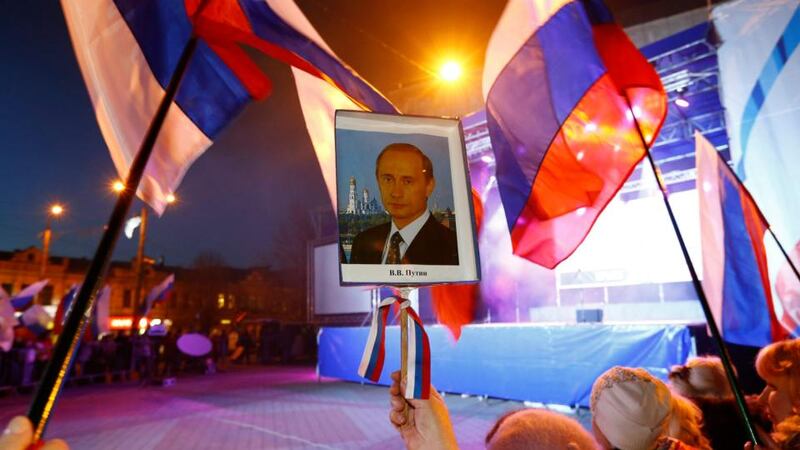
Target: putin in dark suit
414 236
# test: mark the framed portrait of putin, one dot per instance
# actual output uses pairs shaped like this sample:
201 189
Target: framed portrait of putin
404 206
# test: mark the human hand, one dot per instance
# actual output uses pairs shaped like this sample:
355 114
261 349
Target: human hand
423 424
767 443
18 435
749 446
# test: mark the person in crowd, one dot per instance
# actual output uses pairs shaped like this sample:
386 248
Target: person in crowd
425 424
702 380
787 433
219 340
82 358
122 356
18 435
632 410
44 348
143 358
701 377
538 429
246 342
171 354
108 348
778 364
686 422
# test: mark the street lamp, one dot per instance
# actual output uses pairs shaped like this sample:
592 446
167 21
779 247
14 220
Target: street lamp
55 211
118 187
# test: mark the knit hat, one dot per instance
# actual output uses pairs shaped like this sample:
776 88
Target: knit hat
630 407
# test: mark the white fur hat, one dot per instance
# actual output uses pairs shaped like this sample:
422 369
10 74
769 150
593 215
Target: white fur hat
630 407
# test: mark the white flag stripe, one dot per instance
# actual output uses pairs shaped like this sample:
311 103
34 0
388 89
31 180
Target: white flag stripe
520 19
101 38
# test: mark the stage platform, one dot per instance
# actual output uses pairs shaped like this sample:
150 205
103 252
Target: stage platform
553 364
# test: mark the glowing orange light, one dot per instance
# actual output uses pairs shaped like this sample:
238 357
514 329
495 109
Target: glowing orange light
56 209
117 186
171 198
120 322
450 71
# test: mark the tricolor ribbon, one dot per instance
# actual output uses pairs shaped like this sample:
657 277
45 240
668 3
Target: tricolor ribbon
418 378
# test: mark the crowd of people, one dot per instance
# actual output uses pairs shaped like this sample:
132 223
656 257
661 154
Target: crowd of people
121 356
632 410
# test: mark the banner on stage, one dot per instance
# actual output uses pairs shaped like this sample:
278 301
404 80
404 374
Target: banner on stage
405 214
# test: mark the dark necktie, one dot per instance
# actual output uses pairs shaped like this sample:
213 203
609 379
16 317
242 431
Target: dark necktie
393 257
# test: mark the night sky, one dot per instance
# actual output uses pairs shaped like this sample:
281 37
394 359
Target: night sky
261 172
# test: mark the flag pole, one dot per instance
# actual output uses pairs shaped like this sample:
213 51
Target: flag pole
57 369
405 295
712 323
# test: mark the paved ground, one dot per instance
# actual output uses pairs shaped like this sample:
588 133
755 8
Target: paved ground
252 408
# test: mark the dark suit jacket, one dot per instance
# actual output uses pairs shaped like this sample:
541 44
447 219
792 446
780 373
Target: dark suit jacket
435 244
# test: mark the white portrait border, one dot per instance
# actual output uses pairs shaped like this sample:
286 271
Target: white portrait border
468 269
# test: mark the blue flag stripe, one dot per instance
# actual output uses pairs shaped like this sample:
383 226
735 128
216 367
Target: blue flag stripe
745 317
269 26
556 67
210 94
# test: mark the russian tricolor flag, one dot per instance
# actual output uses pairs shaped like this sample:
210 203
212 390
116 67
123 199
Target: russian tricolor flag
127 51
565 89
159 293
63 308
25 297
7 321
735 276
100 314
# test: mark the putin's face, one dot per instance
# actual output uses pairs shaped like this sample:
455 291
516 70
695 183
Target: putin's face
404 186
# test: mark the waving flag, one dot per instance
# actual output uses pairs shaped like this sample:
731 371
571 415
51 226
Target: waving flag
454 304
63 308
128 49
7 321
159 294
100 315
565 89
787 286
26 296
36 320
735 276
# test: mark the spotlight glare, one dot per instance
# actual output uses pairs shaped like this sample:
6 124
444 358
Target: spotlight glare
450 71
117 186
682 102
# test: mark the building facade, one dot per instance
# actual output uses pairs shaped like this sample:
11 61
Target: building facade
200 299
